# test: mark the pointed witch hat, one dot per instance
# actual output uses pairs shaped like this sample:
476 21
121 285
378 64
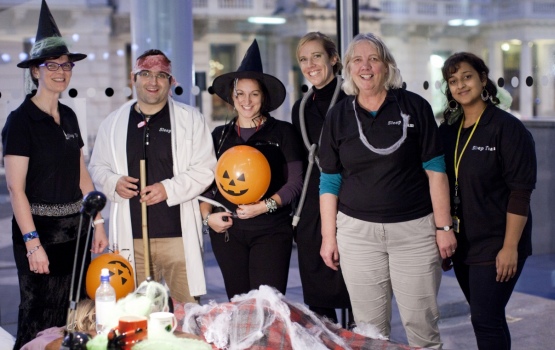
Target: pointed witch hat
250 68
48 29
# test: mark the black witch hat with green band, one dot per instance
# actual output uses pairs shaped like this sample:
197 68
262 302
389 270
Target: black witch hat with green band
251 68
48 29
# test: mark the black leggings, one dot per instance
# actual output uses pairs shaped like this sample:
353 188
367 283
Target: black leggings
253 258
487 299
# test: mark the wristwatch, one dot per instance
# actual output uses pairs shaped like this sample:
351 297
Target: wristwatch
444 228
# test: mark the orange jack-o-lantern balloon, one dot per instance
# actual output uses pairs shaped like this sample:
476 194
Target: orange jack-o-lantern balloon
122 277
243 174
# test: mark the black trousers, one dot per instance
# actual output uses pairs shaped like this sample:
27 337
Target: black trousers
253 258
487 299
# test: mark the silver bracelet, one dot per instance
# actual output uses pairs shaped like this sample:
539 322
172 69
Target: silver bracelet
271 205
30 252
205 220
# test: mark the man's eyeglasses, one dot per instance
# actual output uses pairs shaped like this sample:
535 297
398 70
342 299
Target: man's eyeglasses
53 66
148 74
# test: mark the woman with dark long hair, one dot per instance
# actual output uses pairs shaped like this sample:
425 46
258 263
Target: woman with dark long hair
491 165
254 248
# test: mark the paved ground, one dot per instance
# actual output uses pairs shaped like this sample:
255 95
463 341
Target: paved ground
531 311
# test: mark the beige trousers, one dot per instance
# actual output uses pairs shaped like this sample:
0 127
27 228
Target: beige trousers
378 260
167 262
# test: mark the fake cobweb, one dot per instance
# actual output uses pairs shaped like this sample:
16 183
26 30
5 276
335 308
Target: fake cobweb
264 319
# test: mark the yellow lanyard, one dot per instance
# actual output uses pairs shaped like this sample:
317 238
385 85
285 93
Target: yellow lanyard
458 159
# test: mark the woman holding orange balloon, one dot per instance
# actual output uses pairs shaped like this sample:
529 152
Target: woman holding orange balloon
253 248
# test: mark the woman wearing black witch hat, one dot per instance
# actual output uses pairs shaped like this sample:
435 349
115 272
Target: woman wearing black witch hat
257 248
46 178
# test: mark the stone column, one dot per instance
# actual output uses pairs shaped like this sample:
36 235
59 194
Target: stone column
167 26
544 80
526 92
281 49
495 62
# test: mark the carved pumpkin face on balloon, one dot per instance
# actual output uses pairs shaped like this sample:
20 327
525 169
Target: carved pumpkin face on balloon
243 174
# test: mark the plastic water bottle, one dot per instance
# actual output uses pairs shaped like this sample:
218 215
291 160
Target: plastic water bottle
105 302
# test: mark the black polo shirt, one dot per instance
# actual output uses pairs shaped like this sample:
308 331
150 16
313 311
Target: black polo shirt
163 220
500 157
54 152
381 188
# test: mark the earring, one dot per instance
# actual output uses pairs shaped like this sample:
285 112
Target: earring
485 95
453 106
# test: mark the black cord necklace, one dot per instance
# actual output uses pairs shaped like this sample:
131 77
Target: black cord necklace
146 128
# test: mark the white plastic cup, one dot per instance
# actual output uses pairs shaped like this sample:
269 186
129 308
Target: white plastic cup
160 324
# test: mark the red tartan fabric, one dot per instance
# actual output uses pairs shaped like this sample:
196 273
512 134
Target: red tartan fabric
255 323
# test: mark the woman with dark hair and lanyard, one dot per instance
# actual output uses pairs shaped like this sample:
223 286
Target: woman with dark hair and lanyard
323 288
491 165
253 248
47 178
384 196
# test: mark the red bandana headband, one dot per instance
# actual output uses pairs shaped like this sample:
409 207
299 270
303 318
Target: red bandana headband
154 63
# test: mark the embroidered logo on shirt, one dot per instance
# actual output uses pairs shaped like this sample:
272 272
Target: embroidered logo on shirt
165 130
71 136
483 148
394 123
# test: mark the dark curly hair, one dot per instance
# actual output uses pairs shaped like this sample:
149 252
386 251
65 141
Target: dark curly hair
452 65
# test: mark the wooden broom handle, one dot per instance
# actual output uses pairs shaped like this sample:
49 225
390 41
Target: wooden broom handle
144 221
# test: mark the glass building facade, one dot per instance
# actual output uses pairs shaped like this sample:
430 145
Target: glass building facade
205 38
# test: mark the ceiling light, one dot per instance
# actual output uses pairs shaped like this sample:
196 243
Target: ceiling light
267 20
471 22
455 22
436 61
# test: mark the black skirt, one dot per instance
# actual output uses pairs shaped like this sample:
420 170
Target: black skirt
44 298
